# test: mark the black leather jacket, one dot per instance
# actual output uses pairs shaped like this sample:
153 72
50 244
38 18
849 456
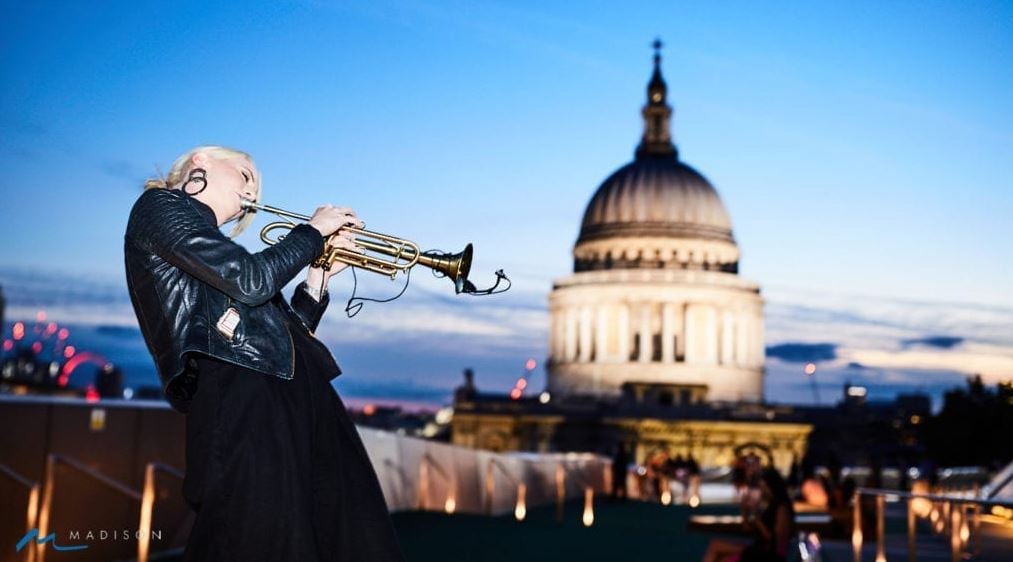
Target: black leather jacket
183 274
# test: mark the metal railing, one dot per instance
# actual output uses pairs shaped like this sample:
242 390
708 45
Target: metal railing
49 487
32 511
490 483
146 498
148 506
954 515
402 481
425 463
520 508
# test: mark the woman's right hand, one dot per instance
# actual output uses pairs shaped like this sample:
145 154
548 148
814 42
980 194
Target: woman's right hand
328 219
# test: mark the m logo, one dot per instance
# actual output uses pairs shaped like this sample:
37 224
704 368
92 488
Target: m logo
51 537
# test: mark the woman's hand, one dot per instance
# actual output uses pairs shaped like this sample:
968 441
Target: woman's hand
318 277
328 219
341 239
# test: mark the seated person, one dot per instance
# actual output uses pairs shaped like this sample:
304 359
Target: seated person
770 519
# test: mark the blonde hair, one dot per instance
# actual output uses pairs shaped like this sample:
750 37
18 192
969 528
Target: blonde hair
182 165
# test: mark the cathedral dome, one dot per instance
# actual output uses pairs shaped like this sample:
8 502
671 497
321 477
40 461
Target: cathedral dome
656 197
656 212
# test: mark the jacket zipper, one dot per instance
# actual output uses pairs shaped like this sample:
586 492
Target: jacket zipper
291 347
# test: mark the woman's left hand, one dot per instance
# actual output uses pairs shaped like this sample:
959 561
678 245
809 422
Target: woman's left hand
318 276
345 240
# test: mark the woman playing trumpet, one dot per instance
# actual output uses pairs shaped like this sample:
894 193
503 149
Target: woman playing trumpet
275 469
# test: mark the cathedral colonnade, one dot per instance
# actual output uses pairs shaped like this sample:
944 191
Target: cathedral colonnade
661 332
604 332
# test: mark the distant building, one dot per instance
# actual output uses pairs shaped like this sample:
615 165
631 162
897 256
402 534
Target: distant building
655 340
859 431
712 434
392 418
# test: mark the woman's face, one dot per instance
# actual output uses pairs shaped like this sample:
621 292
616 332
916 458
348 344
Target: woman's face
230 180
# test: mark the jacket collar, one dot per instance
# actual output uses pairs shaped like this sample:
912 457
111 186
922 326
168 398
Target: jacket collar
203 209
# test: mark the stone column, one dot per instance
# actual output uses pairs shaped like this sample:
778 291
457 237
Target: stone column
751 341
679 326
741 338
711 334
586 325
727 337
623 325
645 333
571 334
747 343
561 330
717 334
553 334
667 333
601 351
690 334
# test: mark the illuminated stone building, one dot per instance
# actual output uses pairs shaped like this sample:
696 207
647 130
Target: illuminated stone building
654 339
655 298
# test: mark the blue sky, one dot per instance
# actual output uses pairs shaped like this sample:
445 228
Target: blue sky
862 149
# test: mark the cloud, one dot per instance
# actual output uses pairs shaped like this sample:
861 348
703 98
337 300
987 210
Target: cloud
993 364
941 342
79 300
401 389
121 332
444 322
803 352
872 320
894 333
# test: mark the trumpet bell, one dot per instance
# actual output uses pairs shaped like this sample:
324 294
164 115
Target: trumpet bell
455 266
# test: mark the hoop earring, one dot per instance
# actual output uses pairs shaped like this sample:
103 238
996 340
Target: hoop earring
197 175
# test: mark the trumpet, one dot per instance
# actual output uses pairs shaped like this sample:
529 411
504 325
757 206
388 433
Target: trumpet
402 254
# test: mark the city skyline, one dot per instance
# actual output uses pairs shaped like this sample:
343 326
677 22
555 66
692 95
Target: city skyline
864 176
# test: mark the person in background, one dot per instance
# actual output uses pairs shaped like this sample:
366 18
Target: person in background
620 466
693 468
657 472
769 518
813 492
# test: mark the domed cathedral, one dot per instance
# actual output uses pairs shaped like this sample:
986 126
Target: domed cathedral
656 343
655 304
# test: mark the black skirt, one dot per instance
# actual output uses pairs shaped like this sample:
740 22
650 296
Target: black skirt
276 471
